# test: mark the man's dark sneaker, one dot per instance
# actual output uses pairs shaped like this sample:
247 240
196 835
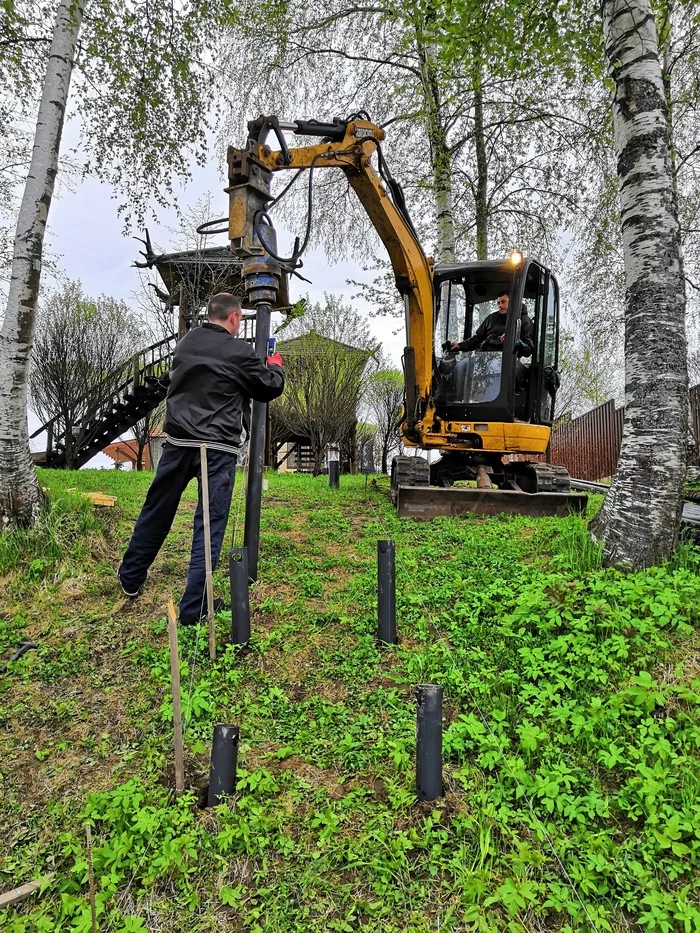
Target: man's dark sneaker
219 606
131 591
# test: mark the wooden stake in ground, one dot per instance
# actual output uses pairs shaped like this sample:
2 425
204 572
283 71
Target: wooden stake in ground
207 551
91 877
177 707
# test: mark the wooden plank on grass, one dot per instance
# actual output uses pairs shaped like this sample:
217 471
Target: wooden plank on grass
177 706
16 895
99 498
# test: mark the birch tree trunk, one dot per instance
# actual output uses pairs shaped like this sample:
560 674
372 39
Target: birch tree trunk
20 496
481 203
640 520
665 39
440 154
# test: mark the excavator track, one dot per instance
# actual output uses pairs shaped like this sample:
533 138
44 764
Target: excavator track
538 489
409 471
550 478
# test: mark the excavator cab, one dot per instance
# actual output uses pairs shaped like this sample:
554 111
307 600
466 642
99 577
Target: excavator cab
492 402
514 381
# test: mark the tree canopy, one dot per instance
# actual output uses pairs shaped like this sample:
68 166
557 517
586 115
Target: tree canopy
143 75
144 87
327 352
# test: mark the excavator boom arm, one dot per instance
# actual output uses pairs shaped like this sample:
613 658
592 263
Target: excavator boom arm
351 153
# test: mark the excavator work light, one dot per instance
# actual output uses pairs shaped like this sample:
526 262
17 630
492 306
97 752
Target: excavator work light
516 257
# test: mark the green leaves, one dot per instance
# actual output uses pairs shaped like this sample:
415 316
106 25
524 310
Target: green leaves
570 739
231 896
670 836
530 735
514 895
643 693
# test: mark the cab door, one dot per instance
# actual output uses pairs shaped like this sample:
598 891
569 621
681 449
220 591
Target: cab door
535 382
546 378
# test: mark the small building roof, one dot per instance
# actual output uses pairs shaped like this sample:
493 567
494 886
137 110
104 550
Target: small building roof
312 336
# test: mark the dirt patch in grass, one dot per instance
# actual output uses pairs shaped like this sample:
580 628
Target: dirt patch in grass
56 752
72 706
317 777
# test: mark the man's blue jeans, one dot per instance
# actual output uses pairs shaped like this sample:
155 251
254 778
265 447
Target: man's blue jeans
177 466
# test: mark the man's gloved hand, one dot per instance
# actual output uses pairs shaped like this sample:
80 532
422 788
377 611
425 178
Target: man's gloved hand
274 360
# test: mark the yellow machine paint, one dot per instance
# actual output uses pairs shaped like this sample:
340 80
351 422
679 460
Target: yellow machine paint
495 436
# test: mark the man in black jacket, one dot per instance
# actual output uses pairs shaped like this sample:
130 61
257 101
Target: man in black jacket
213 377
491 333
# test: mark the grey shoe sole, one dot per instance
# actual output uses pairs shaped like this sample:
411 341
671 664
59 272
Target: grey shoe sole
131 595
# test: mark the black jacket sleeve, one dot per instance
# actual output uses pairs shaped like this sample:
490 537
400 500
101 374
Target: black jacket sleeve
476 339
256 380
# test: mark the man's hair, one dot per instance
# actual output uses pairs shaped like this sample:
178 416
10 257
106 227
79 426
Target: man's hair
504 292
222 305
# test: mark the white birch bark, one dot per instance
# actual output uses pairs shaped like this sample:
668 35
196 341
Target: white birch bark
20 495
640 520
440 155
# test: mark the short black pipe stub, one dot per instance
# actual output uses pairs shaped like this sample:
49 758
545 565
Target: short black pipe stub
240 602
224 757
334 474
429 741
386 593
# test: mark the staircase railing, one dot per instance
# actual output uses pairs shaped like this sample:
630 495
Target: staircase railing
119 387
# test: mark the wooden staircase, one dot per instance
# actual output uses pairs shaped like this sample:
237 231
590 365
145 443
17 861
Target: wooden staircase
131 392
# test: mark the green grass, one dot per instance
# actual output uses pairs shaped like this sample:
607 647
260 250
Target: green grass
572 707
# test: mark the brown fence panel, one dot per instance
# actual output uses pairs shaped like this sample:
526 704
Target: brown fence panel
589 446
695 421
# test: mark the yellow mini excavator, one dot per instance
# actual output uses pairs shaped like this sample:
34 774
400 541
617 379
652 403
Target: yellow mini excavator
485 409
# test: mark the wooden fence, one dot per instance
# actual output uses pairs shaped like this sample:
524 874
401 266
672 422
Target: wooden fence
589 446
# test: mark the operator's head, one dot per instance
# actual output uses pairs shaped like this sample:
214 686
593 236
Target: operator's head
225 310
503 301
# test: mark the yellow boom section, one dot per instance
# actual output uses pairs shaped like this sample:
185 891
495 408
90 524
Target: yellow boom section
412 269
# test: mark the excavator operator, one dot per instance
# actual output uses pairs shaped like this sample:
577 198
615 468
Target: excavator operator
492 332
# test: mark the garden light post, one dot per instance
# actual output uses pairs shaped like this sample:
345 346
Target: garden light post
333 457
